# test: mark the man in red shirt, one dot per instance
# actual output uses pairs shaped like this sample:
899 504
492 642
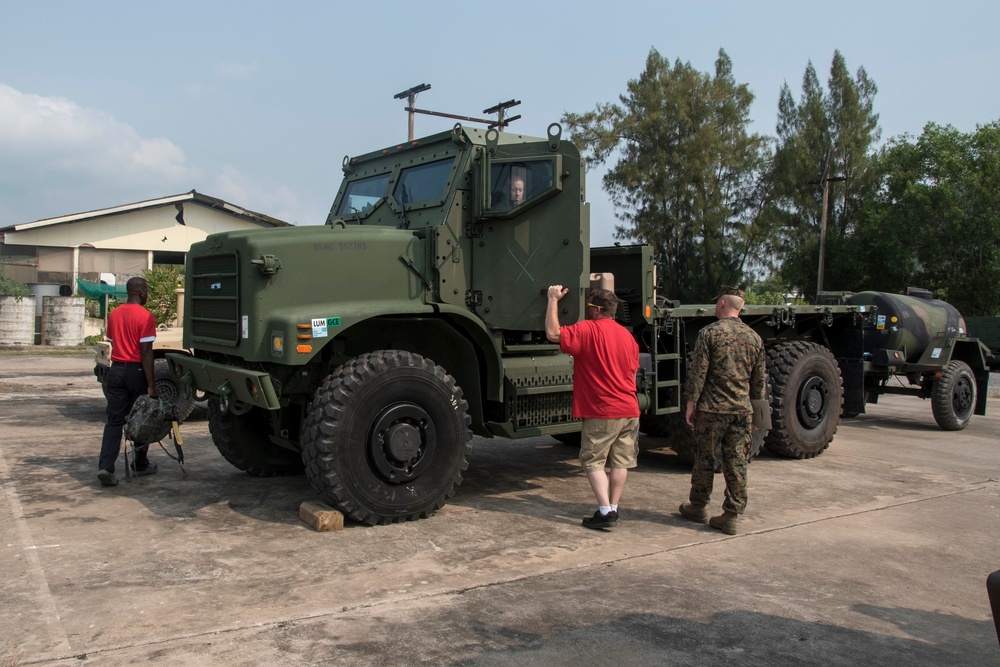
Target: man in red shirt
605 360
132 330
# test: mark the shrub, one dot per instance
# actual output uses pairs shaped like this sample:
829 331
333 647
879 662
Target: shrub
162 302
11 287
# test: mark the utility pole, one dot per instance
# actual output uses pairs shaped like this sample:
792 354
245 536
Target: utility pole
499 110
825 179
410 94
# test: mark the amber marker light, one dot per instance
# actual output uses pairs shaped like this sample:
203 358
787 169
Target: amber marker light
303 349
648 311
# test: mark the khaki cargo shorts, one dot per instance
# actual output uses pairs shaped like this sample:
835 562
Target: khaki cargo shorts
612 443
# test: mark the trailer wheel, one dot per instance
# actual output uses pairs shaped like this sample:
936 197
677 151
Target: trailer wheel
807 396
953 397
386 436
244 441
171 391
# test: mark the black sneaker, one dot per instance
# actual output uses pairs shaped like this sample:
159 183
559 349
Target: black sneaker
609 520
150 469
107 478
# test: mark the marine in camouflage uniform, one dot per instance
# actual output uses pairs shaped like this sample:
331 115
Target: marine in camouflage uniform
727 372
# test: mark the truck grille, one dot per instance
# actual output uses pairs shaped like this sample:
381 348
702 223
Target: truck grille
214 299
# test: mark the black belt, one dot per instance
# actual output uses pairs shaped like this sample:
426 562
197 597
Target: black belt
127 364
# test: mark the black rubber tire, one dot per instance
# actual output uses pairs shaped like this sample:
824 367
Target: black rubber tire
386 436
171 391
953 397
807 397
244 441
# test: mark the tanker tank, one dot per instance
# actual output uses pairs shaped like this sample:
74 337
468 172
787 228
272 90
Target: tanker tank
908 323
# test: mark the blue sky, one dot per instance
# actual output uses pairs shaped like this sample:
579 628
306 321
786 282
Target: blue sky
104 103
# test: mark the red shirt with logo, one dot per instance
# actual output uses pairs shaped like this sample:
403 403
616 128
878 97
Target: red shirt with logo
605 360
128 325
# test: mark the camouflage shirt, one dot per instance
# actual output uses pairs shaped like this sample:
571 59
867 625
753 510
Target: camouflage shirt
727 369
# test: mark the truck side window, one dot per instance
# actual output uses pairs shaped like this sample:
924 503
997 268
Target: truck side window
515 183
362 195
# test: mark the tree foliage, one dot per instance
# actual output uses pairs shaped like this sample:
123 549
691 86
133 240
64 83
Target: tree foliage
163 281
11 287
935 221
685 172
838 128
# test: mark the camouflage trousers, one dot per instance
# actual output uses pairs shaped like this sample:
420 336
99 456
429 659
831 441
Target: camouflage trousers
732 433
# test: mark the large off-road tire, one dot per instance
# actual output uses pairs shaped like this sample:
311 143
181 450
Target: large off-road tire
244 441
171 391
953 397
807 396
386 436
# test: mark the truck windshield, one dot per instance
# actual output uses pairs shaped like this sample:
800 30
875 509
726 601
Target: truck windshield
362 195
424 182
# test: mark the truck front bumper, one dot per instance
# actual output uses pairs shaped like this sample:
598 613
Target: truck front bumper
229 383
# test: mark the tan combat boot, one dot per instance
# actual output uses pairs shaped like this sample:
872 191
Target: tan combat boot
696 513
726 522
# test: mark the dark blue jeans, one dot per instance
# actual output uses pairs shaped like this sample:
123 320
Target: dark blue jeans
122 385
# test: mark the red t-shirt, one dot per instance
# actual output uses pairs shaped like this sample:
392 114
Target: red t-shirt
128 325
605 360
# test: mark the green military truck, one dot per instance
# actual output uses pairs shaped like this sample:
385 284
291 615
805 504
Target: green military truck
369 350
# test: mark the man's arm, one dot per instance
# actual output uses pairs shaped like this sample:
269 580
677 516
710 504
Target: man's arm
696 377
552 327
146 355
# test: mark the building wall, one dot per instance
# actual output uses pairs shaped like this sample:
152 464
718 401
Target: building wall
122 244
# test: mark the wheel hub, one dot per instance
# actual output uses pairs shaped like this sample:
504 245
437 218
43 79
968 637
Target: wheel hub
400 442
961 397
168 392
812 401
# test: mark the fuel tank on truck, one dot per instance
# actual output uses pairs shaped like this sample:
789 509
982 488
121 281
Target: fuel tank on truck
908 322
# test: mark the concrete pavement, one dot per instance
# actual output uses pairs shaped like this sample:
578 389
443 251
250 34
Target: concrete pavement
877 551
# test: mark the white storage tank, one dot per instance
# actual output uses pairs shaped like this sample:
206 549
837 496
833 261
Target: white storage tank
17 320
62 320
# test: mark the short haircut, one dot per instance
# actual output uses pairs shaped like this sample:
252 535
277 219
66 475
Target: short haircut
733 301
136 285
604 298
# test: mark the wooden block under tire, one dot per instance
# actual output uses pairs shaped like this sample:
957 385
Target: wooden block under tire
320 517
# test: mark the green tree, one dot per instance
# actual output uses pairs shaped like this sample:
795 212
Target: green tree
936 220
11 287
839 126
685 171
162 302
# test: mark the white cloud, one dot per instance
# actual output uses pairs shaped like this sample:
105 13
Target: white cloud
57 157
237 188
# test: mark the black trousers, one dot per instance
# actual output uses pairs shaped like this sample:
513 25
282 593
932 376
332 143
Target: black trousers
123 383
